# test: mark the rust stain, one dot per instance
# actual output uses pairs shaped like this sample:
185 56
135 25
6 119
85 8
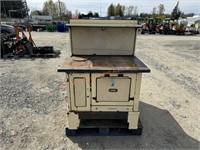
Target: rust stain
100 62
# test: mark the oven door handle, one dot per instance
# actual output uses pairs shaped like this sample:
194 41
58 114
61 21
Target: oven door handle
113 90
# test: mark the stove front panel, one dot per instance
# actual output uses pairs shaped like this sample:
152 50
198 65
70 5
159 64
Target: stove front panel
104 92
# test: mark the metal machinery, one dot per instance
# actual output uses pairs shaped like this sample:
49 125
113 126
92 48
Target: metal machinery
151 26
17 47
103 76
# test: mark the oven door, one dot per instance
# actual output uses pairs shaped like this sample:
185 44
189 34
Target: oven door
113 89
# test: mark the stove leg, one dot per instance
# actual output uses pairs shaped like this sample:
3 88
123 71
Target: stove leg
73 120
133 118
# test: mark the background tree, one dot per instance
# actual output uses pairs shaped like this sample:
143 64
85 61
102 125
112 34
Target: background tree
77 13
176 13
131 10
20 8
144 15
60 10
135 11
96 15
154 11
90 14
36 12
111 10
50 8
118 10
161 9
123 9
187 15
167 16
67 16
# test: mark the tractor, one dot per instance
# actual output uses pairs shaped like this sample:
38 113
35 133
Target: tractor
151 26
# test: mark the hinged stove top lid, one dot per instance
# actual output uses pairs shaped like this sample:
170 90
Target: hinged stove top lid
103 23
103 37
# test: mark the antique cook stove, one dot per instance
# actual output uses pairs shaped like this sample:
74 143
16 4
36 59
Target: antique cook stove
103 76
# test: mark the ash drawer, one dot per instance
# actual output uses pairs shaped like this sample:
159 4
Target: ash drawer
113 89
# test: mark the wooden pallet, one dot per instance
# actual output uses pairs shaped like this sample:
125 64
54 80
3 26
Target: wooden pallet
104 128
9 56
48 55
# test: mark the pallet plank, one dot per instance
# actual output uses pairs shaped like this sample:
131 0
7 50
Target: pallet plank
102 128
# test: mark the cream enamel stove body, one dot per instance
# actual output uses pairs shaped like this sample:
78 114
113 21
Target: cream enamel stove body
103 76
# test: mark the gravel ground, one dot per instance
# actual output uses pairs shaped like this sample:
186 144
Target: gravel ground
33 105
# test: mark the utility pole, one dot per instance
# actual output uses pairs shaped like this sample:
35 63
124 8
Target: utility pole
59 9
